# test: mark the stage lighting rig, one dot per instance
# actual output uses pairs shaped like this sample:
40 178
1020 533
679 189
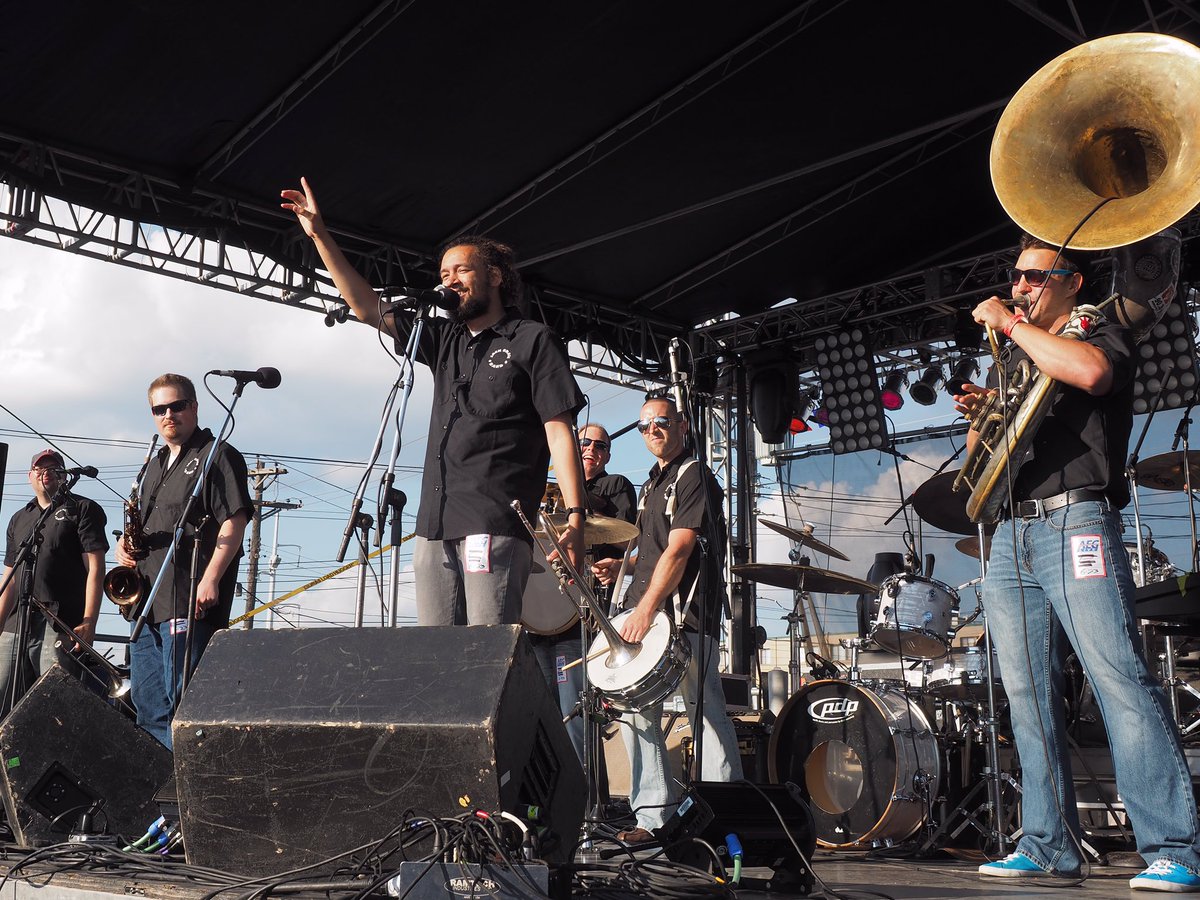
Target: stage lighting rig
850 386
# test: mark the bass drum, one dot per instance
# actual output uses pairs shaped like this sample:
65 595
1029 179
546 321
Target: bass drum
544 608
864 755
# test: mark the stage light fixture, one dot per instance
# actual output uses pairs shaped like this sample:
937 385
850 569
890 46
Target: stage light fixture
892 398
850 387
800 415
964 371
924 389
1167 355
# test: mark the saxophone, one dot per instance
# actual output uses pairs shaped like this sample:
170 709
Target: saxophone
125 585
1006 436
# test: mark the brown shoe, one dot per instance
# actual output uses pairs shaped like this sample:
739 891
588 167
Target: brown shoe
635 836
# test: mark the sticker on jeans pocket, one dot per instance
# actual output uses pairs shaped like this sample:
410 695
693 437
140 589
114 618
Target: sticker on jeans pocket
560 674
478 553
1087 553
178 626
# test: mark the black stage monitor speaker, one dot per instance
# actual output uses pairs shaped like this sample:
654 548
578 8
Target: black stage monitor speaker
294 746
64 750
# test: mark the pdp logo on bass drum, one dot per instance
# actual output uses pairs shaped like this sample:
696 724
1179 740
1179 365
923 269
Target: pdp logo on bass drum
833 710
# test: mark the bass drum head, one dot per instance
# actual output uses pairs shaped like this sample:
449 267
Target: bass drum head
865 783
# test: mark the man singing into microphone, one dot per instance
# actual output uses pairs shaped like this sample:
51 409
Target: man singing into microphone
69 577
1059 574
503 405
220 512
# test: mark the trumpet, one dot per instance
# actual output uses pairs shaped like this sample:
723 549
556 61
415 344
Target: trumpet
125 585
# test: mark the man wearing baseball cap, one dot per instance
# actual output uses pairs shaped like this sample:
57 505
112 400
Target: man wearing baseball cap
68 578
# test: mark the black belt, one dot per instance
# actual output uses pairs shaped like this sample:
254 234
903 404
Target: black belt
1037 509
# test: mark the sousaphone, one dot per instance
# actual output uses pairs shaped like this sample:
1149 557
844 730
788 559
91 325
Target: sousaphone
1117 117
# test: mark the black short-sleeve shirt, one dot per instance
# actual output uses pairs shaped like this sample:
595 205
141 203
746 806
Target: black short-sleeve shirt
165 492
76 527
492 395
613 496
1083 442
691 511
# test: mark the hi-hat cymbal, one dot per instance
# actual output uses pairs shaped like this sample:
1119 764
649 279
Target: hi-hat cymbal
599 529
804 538
970 546
937 504
1165 471
807 578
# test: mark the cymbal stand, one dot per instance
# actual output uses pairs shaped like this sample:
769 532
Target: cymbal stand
992 772
1181 433
1131 475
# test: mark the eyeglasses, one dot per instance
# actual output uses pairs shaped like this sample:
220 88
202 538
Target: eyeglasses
177 407
663 422
593 442
1035 277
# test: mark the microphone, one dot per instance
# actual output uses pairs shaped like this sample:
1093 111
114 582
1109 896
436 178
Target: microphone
676 379
86 471
440 296
266 377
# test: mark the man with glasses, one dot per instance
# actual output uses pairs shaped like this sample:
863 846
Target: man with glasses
1059 573
504 402
678 571
607 495
68 578
220 513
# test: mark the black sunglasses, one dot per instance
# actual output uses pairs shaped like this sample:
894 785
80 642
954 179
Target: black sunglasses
663 422
177 407
593 442
1035 277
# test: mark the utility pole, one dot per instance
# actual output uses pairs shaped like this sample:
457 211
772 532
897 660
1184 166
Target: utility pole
260 476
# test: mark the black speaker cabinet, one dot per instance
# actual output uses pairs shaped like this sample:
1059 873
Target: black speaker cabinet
64 749
293 746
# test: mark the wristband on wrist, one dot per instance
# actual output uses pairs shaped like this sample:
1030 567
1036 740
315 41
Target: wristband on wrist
1017 318
572 510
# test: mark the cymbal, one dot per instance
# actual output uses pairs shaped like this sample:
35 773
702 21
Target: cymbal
599 529
970 546
1165 471
803 537
809 578
937 504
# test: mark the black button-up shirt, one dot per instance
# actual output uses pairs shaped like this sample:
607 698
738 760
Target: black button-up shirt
165 492
492 395
1084 440
691 511
613 496
75 528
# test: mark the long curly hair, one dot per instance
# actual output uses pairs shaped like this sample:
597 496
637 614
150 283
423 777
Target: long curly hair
495 254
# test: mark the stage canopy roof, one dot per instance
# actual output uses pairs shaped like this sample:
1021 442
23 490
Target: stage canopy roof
657 165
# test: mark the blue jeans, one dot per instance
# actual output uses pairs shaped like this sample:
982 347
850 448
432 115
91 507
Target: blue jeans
652 796
1078 587
156 671
553 652
40 655
449 595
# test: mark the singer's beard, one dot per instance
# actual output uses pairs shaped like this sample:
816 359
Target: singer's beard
468 308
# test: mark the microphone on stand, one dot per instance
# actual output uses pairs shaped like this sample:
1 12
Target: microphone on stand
85 471
676 376
266 377
412 297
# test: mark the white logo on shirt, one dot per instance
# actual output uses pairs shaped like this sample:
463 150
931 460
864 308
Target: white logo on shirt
192 466
498 359
60 515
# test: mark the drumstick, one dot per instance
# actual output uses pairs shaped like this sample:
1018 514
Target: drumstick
595 655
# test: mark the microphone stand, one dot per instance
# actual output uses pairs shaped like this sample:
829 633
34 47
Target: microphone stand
1181 433
28 554
396 500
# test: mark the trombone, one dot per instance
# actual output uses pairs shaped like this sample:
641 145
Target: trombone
118 683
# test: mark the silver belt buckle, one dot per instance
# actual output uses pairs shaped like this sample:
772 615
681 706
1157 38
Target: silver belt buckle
1039 507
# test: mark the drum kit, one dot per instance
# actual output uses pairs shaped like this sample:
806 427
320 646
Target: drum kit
872 752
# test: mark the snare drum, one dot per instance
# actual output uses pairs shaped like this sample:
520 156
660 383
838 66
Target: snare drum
648 678
964 676
864 754
1158 567
914 616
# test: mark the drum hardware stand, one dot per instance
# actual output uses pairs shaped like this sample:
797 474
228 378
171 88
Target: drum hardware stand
1131 475
854 645
1173 683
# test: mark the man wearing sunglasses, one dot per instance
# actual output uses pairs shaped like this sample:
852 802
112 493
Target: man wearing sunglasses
221 512
68 577
679 571
504 402
1059 573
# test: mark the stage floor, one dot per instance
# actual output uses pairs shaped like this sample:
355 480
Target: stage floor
842 871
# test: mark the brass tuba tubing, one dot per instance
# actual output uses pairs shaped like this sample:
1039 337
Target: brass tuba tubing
620 650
